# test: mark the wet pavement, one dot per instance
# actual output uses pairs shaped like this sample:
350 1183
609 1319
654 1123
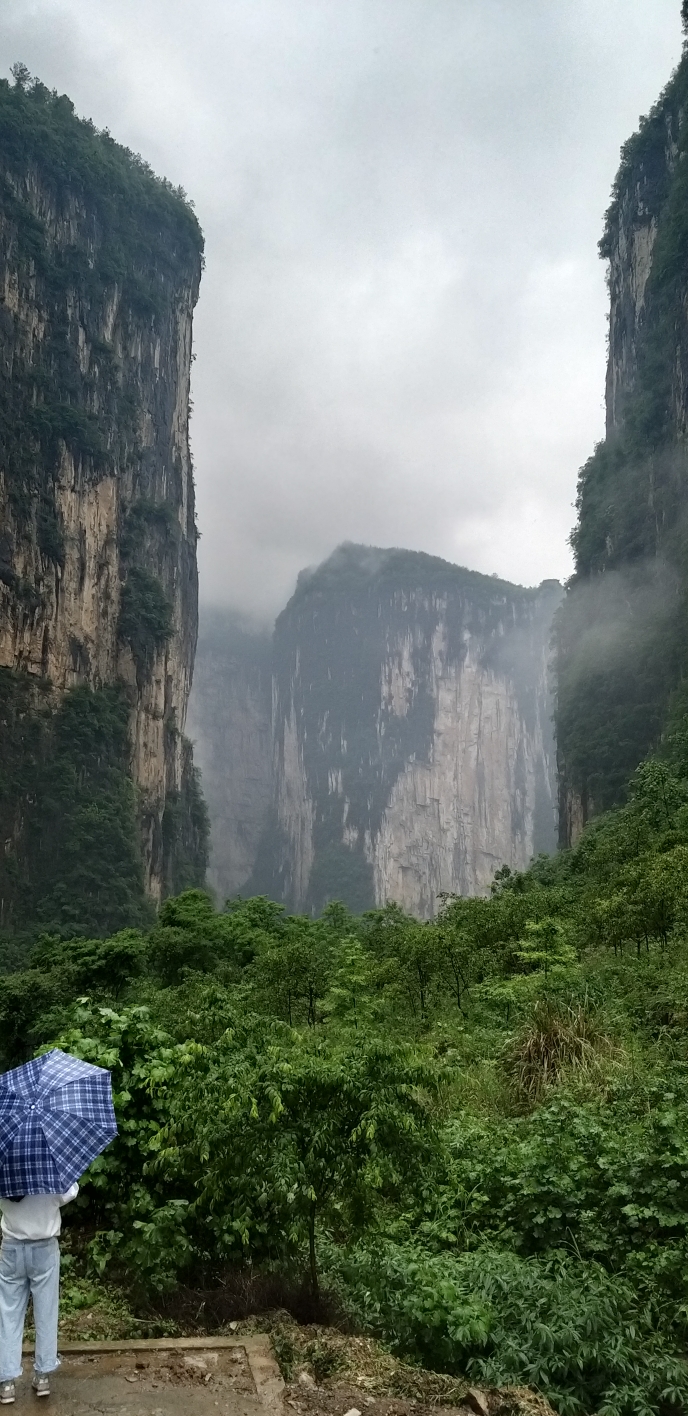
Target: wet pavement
182 1377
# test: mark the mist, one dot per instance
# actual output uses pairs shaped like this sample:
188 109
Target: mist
400 336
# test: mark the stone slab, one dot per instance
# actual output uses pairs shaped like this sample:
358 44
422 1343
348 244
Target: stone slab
160 1377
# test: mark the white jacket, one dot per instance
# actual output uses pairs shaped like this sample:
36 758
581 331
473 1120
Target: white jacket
36 1216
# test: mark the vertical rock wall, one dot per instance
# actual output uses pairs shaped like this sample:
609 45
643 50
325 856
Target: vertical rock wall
413 749
622 651
99 274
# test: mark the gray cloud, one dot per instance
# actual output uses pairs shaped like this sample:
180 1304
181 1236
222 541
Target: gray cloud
401 332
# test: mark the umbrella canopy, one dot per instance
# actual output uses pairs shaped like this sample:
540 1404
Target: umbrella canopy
56 1115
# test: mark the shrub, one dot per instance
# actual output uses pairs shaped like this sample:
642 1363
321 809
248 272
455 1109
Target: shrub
566 1328
145 618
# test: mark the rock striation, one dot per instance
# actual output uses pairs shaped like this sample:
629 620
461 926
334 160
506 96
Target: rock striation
413 744
99 273
412 748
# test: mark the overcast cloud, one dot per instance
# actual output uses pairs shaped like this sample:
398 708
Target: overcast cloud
401 332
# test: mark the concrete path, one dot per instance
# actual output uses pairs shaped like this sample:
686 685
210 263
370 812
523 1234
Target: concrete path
161 1377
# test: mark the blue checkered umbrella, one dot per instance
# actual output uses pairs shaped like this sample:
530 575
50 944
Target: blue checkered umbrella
56 1115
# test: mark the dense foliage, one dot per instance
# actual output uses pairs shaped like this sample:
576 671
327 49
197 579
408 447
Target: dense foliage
72 856
70 820
185 828
145 619
39 128
473 1130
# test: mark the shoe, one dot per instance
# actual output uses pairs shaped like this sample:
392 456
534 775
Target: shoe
41 1385
6 1393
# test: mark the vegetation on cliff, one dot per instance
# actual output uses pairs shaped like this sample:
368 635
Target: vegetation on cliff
142 237
40 129
72 861
98 258
353 568
622 643
472 1133
72 856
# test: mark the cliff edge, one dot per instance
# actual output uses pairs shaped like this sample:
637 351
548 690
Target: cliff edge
100 264
622 651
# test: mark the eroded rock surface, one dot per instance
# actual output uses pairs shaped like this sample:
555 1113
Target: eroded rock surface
99 275
413 749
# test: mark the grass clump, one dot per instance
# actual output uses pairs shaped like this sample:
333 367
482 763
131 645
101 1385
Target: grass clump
556 1042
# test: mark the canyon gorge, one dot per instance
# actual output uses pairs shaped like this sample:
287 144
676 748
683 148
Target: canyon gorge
394 739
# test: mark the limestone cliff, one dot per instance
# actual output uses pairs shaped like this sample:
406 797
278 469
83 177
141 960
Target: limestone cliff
413 749
99 273
230 722
622 650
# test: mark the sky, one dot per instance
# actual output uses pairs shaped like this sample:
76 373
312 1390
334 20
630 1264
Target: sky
400 338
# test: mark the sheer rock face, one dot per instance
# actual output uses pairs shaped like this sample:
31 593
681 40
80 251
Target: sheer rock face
95 471
230 723
630 251
480 800
413 748
632 499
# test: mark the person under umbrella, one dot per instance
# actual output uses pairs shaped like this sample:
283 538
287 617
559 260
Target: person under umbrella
56 1116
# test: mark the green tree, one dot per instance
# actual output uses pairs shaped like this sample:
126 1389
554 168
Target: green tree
104 965
138 1220
408 957
544 946
293 1126
349 997
38 1000
291 971
191 934
461 961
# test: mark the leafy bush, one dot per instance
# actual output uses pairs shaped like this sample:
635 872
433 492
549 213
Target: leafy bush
242 1145
140 1222
567 1328
603 1174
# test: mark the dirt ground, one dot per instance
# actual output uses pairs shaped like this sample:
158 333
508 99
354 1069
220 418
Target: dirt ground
331 1373
337 1398
269 1366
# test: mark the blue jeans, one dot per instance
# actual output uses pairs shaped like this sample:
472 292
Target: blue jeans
28 1266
